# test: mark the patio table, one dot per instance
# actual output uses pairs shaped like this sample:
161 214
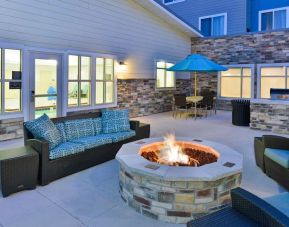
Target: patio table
194 100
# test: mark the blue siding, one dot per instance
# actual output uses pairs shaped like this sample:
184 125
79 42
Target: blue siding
191 10
257 5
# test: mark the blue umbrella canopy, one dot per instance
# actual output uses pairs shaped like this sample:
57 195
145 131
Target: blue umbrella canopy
197 63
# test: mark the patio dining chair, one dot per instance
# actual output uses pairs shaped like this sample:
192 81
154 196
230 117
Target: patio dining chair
181 105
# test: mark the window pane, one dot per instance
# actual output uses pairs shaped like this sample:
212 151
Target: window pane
273 71
232 72
266 21
12 99
45 105
160 78
99 68
72 94
12 62
218 26
246 87
72 67
247 72
231 87
269 82
85 68
169 65
0 64
109 92
170 80
108 69
280 19
206 26
161 64
99 92
85 93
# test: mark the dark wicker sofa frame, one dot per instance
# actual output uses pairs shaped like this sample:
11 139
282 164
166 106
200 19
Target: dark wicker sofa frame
50 170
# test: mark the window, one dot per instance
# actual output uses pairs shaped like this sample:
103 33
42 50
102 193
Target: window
272 77
165 79
79 81
168 2
236 82
10 81
274 19
104 87
214 25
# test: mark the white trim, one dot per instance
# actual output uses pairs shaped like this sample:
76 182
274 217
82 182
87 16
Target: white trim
252 66
216 15
273 11
173 2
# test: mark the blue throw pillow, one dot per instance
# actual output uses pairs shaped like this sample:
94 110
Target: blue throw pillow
115 121
44 129
97 125
79 128
61 129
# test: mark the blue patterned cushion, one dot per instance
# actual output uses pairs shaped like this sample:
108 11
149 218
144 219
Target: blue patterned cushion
44 129
97 125
115 121
94 141
66 149
61 129
119 136
76 129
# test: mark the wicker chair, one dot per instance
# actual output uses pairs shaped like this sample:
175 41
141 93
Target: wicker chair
181 105
247 210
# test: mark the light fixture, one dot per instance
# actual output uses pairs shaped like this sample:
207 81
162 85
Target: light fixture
122 67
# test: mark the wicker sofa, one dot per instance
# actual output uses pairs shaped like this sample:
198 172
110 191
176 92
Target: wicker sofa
272 156
247 210
52 169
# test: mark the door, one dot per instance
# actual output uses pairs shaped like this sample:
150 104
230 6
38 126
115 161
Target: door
45 85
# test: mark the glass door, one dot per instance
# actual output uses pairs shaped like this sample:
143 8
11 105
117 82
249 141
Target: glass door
45 92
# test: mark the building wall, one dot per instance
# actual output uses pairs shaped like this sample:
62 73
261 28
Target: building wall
191 10
258 5
250 48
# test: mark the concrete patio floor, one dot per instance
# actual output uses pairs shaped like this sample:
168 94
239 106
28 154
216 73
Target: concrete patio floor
91 198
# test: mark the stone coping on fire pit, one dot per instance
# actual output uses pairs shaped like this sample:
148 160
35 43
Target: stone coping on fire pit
230 162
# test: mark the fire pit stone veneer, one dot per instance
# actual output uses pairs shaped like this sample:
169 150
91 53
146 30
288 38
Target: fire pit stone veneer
177 194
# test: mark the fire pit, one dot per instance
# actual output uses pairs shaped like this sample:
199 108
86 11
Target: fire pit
176 180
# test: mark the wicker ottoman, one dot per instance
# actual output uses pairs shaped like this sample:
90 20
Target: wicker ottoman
19 169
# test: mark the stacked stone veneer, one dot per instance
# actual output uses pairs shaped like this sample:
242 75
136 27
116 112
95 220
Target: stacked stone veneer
270 117
11 129
175 201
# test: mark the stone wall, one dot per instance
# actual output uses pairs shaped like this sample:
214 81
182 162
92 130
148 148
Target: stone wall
11 129
250 48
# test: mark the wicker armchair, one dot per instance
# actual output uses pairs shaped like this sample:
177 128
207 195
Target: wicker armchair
247 210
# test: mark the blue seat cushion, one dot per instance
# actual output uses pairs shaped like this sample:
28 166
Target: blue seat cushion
94 141
65 149
115 121
97 122
61 129
44 129
119 136
79 128
280 202
279 156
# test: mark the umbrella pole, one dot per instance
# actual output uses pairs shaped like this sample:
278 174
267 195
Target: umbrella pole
195 83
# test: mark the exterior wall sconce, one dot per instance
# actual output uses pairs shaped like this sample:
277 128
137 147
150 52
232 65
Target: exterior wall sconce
122 67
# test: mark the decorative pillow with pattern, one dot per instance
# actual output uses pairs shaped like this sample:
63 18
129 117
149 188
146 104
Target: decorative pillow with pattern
115 121
44 129
97 125
75 129
61 129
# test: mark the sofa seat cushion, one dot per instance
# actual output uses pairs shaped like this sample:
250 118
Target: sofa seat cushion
65 149
119 136
44 129
61 129
79 128
279 156
280 202
94 141
115 121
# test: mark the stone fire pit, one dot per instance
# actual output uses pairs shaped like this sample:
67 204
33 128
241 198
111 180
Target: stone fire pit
177 194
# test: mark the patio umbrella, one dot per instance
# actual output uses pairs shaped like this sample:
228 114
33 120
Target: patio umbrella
197 63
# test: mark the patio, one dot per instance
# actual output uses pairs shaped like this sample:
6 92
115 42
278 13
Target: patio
91 198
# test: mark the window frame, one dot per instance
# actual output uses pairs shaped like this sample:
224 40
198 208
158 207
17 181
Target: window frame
156 68
271 65
252 66
173 2
273 18
225 14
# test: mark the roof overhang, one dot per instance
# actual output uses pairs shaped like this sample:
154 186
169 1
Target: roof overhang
169 17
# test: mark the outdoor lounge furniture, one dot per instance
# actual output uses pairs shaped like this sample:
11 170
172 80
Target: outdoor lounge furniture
247 210
272 155
83 147
241 112
181 105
